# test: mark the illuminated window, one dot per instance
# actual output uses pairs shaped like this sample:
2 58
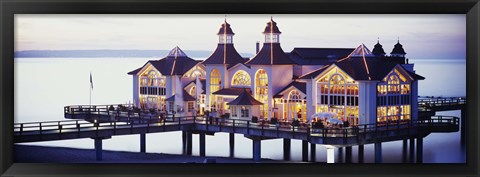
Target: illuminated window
193 91
241 78
393 84
261 91
190 107
296 106
394 98
215 80
152 78
337 92
196 73
234 111
244 112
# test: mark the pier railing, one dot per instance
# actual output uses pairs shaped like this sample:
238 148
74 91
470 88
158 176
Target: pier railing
215 124
426 101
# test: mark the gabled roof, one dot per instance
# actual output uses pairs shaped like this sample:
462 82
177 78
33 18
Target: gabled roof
238 65
231 91
302 86
136 70
414 75
186 97
318 56
361 64
245 99
175 63
314 73
271 54
225 54
361 51
202 81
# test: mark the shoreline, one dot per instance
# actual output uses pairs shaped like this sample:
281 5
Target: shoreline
46 154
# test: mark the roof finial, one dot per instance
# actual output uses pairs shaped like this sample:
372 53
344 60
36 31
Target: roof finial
225 18
378 40
398 39
271 18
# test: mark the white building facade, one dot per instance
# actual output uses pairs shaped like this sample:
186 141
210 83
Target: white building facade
358 85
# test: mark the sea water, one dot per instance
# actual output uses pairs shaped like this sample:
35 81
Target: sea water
43 86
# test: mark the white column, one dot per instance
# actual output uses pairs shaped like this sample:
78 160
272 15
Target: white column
207 88
414 98
136 93
330 155
169 86
367 102
311 97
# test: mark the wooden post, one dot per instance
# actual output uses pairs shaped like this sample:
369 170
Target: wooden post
412 150
257 149
98 149
419 150
304 151
378 152
286 149
313 152
184 142
340 154
189 143
202 144
360 153
232 143
463 127
348 154
143 142
404 151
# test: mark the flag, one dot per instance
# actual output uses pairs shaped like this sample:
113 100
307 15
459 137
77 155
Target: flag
91 81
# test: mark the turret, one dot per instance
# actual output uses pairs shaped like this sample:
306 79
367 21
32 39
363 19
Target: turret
398 50
378 50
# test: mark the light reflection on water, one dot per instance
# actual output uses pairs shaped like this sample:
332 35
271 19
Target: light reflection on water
43 86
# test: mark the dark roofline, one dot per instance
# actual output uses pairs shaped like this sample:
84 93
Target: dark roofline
292 84
245 99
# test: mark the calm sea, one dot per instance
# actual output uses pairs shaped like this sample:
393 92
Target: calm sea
43 86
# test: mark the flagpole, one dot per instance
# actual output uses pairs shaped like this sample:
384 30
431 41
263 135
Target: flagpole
91 88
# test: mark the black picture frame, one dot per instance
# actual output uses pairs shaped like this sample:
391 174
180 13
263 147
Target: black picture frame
8 8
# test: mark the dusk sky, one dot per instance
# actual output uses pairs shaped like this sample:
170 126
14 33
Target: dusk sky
422 36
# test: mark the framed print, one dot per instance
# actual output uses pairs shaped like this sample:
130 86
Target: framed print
186 89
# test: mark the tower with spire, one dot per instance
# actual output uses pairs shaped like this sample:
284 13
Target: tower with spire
272 60
378 49
224 57
398 50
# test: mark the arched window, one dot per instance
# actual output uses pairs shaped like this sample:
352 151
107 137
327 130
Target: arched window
193 91
196 73
215 80
337 84
294 96
161 82
394 99
296 107
261 91
337 92
393 84
241 78
152 78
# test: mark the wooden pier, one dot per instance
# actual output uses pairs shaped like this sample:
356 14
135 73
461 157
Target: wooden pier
104 122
